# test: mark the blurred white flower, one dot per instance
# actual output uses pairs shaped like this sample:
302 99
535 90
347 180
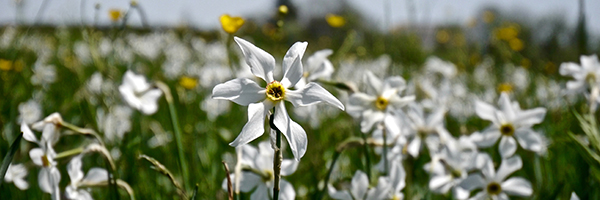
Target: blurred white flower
29 112
82 51
374 108
94 176
423 129
139 94
16 174
94 84
115 123
509 123
359 188
494 184
213 108
43 74
260 174
260 100
586 78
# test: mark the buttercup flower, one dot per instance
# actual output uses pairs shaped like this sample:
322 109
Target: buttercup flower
231 24
139 94
510 123
260 100
261 175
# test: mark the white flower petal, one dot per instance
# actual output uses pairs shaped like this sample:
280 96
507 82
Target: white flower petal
27 133
255 126
292 64
508 146
369 119
149 101
248 181
286 191
393 85
506 106
359 184
242 91
318 65
517 186
74 169
358 102
507 167
293 132
439 183
36 156
96 175
312 93
261 192
261 63
487 138
485 111
472 182
531 117
567 69
399 102
373 82
288 167
334 194
530 140
414 147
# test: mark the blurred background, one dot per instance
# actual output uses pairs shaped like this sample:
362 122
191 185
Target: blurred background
70 57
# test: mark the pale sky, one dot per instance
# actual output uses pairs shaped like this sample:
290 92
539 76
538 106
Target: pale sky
205 13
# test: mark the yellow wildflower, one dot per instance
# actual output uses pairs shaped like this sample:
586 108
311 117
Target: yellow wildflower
115 14
335 21
505 87
231 24
516 44
5 65
283 9
188 82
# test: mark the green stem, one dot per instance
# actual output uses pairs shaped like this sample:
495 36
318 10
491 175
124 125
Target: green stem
384 153
367 157
277 159
182 164
336 155
69 153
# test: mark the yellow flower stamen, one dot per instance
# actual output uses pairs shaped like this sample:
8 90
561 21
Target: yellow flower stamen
505 87
507 129
494 188
231 24
381 103
275 91
45 161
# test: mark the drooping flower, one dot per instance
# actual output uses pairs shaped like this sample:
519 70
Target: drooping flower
16 174
260 100
260 174
373 109
49 176
139 94
510 123
494 183
94 176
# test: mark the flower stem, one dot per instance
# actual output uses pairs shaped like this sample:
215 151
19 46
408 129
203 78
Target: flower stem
367 157
68 153
384 153
182 164
277 159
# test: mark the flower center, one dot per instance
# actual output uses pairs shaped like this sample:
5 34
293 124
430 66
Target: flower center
494 188
507 129
381 103
590 77
45 161
268 176
275 91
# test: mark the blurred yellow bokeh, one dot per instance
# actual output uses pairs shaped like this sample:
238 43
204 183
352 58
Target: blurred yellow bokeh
335 21
231 24
188 82
115 14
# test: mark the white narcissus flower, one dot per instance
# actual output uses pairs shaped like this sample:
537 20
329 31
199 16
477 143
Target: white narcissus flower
494 184
49 176
510 123
373 109
16 174
260 100
260 174
586 77
359 189
94 176
139 94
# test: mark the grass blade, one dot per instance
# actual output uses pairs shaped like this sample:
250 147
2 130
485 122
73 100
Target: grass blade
9 156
